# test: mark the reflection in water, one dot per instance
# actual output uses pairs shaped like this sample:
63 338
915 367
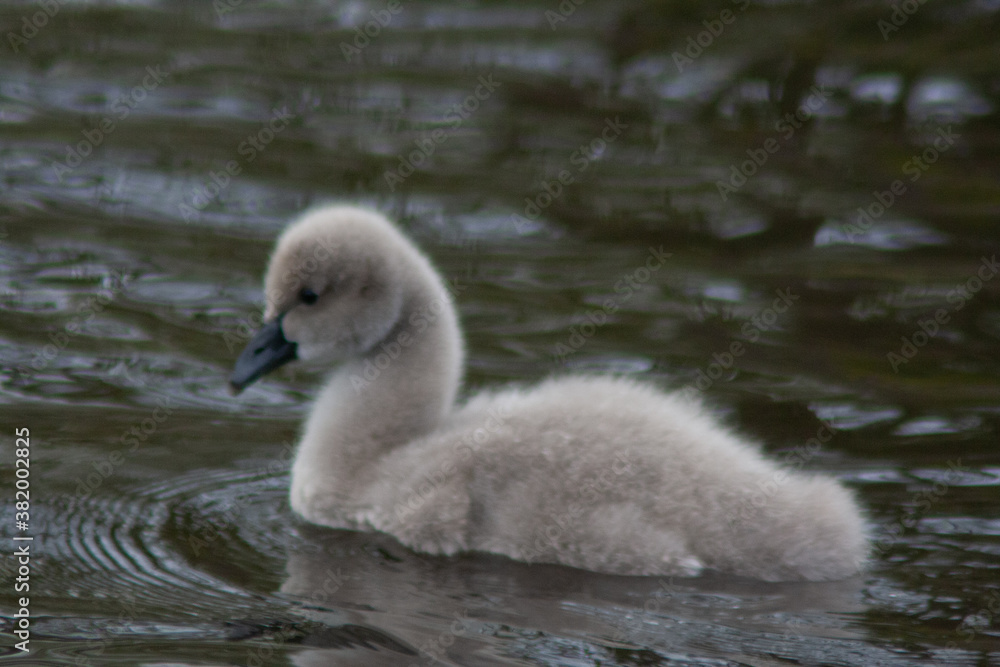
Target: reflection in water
354 580
131 251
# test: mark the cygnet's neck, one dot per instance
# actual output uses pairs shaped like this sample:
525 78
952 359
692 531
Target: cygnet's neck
398 391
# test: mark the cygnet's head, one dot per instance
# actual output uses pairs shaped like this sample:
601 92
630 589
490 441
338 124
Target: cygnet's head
335 287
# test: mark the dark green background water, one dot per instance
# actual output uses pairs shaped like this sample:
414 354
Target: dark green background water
137 214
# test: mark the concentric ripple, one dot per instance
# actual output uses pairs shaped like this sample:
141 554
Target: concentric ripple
134 557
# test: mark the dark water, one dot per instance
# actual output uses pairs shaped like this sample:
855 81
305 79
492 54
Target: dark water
151 151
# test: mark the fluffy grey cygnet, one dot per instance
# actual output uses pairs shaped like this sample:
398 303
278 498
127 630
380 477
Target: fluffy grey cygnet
600 473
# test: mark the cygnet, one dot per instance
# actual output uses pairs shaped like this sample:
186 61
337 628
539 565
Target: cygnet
602 473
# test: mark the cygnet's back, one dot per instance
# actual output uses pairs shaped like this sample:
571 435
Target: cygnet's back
595 472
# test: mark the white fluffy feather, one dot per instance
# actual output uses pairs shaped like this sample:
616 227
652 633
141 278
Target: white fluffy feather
600 473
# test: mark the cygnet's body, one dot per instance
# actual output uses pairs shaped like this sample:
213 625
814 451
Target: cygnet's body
599 473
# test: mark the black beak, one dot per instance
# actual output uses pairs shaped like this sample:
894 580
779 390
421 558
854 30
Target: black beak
267 350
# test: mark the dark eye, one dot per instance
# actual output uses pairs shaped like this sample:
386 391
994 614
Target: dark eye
307 296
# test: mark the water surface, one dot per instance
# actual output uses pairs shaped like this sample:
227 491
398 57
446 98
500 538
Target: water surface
807 157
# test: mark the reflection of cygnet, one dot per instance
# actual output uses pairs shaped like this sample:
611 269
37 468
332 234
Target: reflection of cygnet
595 472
